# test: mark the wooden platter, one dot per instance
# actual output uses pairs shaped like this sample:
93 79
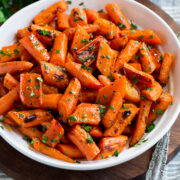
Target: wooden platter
19 167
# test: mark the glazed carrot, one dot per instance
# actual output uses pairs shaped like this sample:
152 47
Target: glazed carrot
70 151
3 90
10 53
86 78
31 89
25 56
65 140
88 96
50 101
78 16
127 53
81 38
128 130
136 66
53 23
21 33
157 57
7 120
96 132
146 58
84 142
154 92
63 21
44 17
53 134
125 116
54 75
7 101
159 106
110 146
105 94
104 80
47 89
113 110
70 58
52 152
86 113
140 125
117 16
165 68
92 15
30 118
147 36
59 50
35 48
9 81
103 15
106 59
31 132
69 100
118 43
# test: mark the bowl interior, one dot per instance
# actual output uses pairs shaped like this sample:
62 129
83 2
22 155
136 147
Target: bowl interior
146 19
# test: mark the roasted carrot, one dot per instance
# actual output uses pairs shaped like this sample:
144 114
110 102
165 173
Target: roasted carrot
63 21
103 15
21 33
136 66
84 142
3 90
128 130
96 132
165 68
47 89
92 15
59 50
104 80
68 102
53 23
119 43
7 120
70 58
10 82
25 56
88 96
140 125
157 57
48 14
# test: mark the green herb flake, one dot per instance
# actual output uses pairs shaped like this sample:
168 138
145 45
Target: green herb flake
21 115
140 142
141 37
150 127
116 153
37 86
111 107
102 110
45 139
159 112
72 118
101 10
32 94
57 51
88 128
133 26
135 79
89 139
1 120
69 2
151 36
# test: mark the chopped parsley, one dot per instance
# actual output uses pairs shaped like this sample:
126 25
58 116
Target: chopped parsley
159 111
45 139
57 51
89 139
140 142
88 128
21 115
116 153
150 127
102 110
72 118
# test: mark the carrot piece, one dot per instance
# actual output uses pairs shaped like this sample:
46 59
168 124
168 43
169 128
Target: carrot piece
128 130
166 67
83 141
81 38
54 75
106 59
78 16
65 140
86 113
31 89
69 100
59 50
117 16
52 152
154 92
110 146
10 53
35 48
3 90
113 110
125 116
51 101
49 89
156 57
103 15
104 80
96 132
86 78
30 118
44 17
147 36
159 106
118 43
92 15
105 94
10 82
7 120
31 132
21 33
25 56
53 134
140 125
127 53
53 23
146 58
88 96
132 93
141 79
70 150
136 66
63 21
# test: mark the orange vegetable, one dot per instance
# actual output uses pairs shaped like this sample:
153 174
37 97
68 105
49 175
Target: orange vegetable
44 17
84 142
3 90
136 66
69 100
119 43
92 15
25 56
10 82
128 130
70 58
103 15
87 96
156 57
53 24
125 116
165 68
96 132
49 89
21 33
63 21
104 80
140 125
7 120
59 50
86 78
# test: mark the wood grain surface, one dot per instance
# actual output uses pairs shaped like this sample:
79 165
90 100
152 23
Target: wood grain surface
19 167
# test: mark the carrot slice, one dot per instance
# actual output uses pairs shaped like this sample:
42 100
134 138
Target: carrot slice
10 82
63 21
3 90
118 43
21 33
88 96
104 80
128 130
96 132
92 15
157 57
47 89
25 56
70 58
136 66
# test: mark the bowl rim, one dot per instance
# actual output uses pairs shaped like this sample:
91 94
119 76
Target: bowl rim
101 164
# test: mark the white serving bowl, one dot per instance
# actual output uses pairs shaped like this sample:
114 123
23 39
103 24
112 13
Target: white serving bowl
146 19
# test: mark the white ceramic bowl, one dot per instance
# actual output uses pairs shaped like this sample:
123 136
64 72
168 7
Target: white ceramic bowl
146 19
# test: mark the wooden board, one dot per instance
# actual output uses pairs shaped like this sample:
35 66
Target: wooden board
19 167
